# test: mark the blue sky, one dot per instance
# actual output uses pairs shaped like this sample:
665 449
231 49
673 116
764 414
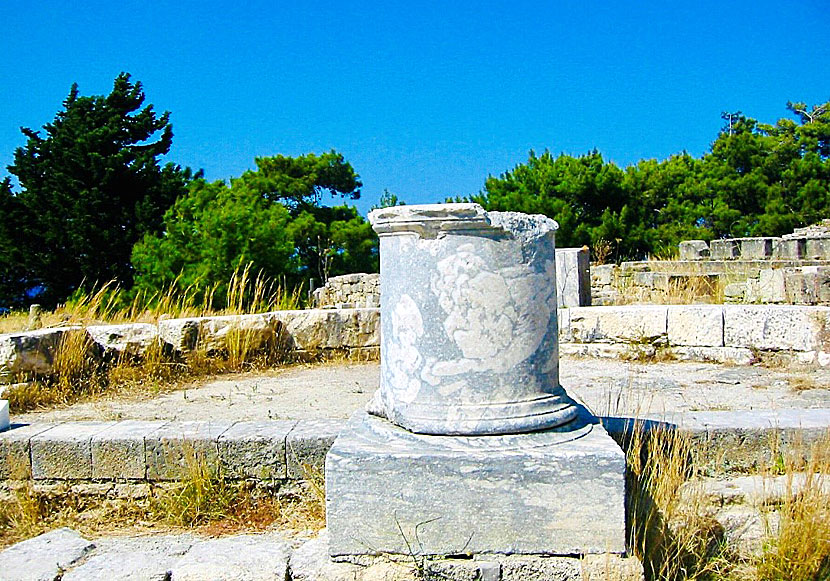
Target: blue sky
424 98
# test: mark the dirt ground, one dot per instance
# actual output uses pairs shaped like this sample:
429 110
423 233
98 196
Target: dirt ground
335 390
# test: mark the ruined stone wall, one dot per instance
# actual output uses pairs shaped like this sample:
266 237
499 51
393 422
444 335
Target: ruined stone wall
348 291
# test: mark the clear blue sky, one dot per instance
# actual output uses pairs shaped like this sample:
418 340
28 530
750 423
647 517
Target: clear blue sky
423 98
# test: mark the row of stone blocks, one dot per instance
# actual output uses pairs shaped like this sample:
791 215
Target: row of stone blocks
135 450
761 248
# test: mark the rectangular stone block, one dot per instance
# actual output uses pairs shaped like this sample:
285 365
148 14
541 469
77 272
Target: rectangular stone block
555 492
65 451
817 248
808 285
307 444
119 452
790 249
177 448
573 277
758 248
693 250
695 325
255 449
603 274
771 286
777 327
725 249
15 452
563 319
618 324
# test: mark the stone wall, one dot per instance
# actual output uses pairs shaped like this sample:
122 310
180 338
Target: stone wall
348 291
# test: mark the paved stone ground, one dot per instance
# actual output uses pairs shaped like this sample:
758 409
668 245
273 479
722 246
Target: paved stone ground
335 390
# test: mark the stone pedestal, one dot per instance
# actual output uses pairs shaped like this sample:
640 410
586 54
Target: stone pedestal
556 492
4 414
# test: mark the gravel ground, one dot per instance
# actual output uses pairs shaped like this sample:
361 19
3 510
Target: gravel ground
335 390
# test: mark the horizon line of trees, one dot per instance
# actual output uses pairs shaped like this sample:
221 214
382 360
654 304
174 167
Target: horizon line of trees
96 205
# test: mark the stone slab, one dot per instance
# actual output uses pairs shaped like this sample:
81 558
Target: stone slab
758 248
316 329
15 452
64 452
555 492
44 557
255 449
307 444
128 340
693 250
173 449
790 249
4 415
777 327
613 324
119 451
573 277
695 325
771 287
248 557
817 248
725 249
126 559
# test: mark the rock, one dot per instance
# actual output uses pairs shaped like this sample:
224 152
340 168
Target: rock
758 248
693 250
603 274
118 452
618 324
130 340
308 443
44 557
255 449
777 327
311 562
573 277
125 559
771 286
695 325
725 249
237 558
65 451
215 333
318 329
32 352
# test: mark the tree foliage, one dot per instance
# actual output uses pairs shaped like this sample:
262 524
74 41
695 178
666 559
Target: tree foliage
91 187
270 219
756 180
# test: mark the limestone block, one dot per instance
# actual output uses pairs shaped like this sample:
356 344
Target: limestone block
249 557
771 286
618 324
213 333
317 329
311 562
307 444
525 568
573 277
119 451
15 453
611 568
697 325
65 451
559 491
603 274
758 248
725 249
177 447
255 449
693 250
734 292
4 415
777 327
807 285
790 249
131 340
32 351
598 350
651 280
817 248
45 557
125 559
564 320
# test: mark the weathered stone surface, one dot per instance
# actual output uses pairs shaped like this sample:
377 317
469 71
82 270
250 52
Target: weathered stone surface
175 448
573 277
524 568
807 285
603 274
127 559
693 250
611 568
214 333
695 325
129 340
730 355
790 249
559 491
360 290
624 324
307 444
4 415
31 352
314 330
255 449
725 249
242 557
119 451
817 248
468 302
777 327
758 248
43 558
15 456
311 562
771 287
65 451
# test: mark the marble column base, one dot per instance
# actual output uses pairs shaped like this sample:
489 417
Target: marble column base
555 492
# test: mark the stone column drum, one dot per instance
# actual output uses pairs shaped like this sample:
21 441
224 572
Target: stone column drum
469 338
